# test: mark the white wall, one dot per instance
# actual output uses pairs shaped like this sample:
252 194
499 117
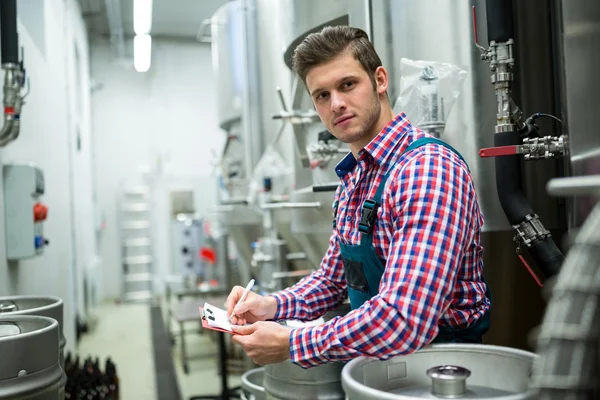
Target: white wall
163 121
49 30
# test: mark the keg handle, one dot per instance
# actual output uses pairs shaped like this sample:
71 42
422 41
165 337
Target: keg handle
448 381
9 306
9 329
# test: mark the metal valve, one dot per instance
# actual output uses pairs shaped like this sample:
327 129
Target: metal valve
294 116
544 147
531 149
321 153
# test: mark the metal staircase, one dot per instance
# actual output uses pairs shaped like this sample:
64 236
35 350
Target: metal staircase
136 244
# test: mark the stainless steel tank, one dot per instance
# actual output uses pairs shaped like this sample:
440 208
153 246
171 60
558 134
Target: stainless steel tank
286 380
244 226
234 68
442 371
235 65
312 227
252 385
581 82
45 306
29 351
281 26
227 63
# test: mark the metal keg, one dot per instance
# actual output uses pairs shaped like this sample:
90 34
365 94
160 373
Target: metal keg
287 380
45 306
443 371
252 385
29 366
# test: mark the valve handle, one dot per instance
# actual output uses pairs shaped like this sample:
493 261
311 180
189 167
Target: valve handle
498 151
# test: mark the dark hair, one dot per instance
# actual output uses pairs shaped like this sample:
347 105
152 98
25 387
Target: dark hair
330 42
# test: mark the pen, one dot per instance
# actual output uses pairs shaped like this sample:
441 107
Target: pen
244 295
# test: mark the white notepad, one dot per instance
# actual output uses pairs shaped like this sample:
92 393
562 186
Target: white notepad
216 317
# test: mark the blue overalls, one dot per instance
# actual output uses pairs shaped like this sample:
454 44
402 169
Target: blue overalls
363 268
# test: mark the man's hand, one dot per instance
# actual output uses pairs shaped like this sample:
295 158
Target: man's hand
254 308
264 342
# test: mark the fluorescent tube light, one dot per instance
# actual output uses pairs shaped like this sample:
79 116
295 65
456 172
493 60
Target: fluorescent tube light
142 16
142 52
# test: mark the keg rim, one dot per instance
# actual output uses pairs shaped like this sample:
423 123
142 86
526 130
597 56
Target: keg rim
351 385
53 324
56 301
246 383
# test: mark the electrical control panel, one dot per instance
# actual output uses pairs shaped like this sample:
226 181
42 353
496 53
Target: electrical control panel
24 213
187 240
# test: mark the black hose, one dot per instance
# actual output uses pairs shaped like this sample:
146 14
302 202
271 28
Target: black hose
499 15
516 206
547 256
8 32
508 180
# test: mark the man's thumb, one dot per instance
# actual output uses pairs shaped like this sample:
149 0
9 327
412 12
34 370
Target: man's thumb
247 305
244 330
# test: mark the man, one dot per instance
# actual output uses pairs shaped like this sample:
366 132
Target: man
405 247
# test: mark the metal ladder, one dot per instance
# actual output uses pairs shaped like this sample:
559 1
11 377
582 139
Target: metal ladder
136 244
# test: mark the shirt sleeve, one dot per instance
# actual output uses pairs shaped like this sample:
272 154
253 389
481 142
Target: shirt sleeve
317 293
430 204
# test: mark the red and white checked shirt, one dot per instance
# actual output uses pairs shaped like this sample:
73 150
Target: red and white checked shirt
428 231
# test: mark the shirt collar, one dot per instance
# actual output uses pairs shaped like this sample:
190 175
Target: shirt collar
381 147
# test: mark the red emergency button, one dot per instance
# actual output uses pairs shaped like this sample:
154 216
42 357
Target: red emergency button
40 212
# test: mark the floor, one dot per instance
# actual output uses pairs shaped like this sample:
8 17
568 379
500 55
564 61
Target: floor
123 333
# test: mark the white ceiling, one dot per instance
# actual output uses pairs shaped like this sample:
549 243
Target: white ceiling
170 18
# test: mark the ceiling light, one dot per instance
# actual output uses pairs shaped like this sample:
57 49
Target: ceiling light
142 16
142 52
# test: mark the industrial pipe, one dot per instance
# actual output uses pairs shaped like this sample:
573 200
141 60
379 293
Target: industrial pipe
10 96
14 125
518 211
271 206
325 188
499 20
530 231
15 74
509 182
9 38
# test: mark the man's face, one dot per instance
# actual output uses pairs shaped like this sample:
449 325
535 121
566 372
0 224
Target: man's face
345 99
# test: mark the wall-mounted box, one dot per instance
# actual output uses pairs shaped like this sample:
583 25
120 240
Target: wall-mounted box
24 214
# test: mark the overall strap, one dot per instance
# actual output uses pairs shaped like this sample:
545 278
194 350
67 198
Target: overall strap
369 213
426 140
370 206
336 204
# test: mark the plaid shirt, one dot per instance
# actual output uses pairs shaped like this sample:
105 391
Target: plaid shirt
428 231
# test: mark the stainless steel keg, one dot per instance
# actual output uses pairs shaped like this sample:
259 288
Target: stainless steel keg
252 385
29 367
45 306
465 371
286 380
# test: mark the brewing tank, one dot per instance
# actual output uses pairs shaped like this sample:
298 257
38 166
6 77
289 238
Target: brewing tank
234 69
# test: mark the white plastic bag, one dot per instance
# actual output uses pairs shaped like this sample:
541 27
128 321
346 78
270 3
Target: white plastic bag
428 91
